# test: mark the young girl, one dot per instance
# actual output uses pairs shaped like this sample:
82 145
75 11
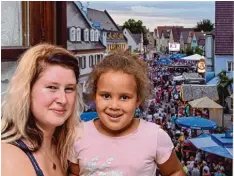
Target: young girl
116 143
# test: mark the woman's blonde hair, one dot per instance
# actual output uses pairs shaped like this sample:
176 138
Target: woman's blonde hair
125 62
17 118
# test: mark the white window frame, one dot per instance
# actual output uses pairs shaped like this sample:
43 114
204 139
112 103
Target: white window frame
86 35
72 34
82 62
96 35
92 35
91 58
78 34
231 68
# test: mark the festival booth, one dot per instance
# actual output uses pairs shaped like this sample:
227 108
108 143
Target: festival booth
191 92
195 57
218 144
215 110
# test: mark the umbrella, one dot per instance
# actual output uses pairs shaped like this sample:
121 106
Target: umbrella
87 116
218 144
164 61
197 123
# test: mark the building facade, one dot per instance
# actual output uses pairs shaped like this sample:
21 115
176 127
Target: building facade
224 22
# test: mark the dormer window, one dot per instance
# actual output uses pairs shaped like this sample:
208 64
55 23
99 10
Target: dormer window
78 34
92 35
96 35
86 35
72 34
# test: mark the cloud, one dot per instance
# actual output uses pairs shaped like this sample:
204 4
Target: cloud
158 13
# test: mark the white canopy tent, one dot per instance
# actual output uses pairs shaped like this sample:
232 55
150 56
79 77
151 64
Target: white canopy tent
195 57
178 78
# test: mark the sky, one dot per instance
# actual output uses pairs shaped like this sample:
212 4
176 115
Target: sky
157 13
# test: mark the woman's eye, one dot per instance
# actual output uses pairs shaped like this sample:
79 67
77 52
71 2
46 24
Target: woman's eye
106 96
53 88
69 89
124 97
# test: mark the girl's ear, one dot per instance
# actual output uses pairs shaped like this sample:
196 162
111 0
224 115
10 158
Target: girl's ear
139 101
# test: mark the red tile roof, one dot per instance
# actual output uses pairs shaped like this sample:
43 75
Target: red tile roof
224 12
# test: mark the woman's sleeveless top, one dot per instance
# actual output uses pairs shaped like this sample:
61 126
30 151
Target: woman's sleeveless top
19 143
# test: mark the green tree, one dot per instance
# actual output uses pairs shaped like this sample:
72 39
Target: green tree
222 87
189 51
136 27
198 50
205 25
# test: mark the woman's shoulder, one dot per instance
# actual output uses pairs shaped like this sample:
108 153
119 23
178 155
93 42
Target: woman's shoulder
15 161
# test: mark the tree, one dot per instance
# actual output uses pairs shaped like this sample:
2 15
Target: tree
198 50
136 27
205 25
189 51
222 87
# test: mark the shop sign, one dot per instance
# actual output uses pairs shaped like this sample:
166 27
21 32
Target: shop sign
201 66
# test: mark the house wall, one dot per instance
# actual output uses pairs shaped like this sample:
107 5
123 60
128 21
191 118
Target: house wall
194 42
221 62
131 41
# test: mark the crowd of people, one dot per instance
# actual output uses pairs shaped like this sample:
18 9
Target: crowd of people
165 107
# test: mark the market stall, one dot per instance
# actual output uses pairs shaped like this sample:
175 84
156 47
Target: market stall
215 110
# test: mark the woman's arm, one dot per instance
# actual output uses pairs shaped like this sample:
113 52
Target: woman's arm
15 162
74 169
172 167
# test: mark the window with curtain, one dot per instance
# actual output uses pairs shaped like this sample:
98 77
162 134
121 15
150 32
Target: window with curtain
14 23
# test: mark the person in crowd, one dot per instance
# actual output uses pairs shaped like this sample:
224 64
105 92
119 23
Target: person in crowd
119 84
40 112
185 168
195 170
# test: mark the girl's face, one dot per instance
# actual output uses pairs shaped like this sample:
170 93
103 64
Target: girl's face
116 101
53 96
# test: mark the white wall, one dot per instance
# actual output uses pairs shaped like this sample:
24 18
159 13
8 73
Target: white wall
221 62
131 41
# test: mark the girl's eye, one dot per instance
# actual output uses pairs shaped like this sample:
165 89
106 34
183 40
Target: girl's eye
124 97
106 96
69 89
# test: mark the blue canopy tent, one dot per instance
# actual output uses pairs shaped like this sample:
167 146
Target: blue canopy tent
196 123
164 61
87 116
218 144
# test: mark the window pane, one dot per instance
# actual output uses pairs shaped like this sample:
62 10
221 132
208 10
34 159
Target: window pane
14 30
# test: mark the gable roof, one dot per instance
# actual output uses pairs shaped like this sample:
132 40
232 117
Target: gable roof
224 12
185 35
176 33
137 38
102 17
166 33
160 29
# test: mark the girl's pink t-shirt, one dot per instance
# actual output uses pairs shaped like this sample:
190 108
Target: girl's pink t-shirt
135 154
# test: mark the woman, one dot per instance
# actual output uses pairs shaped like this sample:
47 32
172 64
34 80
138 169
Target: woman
39 114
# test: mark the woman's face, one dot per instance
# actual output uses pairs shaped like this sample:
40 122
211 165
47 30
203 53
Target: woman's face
53 96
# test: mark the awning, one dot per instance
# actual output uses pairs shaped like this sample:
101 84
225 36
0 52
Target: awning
204 102
197 123
210 145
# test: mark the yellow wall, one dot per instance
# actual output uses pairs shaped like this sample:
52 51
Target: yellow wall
113 46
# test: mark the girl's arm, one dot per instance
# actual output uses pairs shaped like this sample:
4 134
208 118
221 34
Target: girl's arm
74 169
172 167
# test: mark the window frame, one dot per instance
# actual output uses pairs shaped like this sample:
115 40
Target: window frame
231 68
82 62
91 62
51 28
